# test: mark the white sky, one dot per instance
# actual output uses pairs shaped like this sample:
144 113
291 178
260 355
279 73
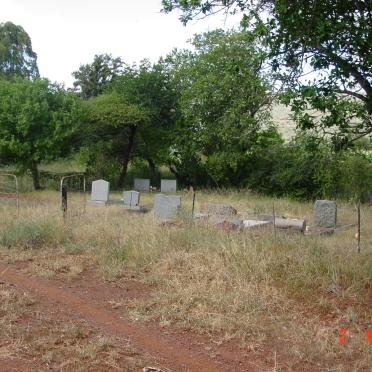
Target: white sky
68 33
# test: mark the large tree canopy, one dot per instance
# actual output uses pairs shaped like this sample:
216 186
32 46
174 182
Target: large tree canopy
16 55
224 101
92 78
37 122
331 37
132 119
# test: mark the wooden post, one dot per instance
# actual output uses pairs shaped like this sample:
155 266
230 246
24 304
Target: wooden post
193 204
358 233
64 200
274 222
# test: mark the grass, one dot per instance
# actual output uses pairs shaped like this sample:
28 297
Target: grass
291 293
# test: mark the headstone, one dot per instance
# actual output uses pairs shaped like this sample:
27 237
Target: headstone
141 184
131 198
168 186
166 206
100 192
325 213
220 209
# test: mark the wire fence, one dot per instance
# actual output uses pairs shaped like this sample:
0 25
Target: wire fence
73 195
9 193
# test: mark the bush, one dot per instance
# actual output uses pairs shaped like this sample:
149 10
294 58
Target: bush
306 168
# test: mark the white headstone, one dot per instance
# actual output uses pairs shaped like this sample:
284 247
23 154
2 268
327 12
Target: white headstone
131 198
141 184
168 186
100 191
166 206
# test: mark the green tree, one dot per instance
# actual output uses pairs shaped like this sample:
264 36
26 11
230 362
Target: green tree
331 37
112 126
224 101
16 55
37 122
149 86
91 79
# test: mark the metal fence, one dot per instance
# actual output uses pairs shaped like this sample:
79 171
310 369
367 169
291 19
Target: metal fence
9 191
73 195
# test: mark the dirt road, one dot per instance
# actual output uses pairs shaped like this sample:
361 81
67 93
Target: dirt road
87 298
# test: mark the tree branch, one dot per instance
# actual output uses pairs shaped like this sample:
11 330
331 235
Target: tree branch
351 93
347 67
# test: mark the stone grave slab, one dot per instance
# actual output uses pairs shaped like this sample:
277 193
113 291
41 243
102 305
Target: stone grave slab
325 214
220 209
141 184
168 185
256 223
100 192
166 206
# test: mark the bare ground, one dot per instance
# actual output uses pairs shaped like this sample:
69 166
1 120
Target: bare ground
97 303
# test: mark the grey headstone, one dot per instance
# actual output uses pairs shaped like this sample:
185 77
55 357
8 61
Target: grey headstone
166 206
131 198
168 186
325 213
100 191
220 209
141 184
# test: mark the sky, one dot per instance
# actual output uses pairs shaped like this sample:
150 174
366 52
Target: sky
68 33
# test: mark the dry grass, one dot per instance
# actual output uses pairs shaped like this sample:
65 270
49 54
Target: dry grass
291 294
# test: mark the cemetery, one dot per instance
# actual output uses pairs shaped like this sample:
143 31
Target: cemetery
181 201
186 228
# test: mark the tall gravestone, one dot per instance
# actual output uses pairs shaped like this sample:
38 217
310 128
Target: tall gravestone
166 206
325 214
131 198
168 186
100 192
141 184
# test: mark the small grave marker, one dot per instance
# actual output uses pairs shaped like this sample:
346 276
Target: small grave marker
325 214
131 198
100 192
141 184
166 206
220 209
168 186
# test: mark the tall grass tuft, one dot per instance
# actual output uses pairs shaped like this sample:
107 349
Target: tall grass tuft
30 234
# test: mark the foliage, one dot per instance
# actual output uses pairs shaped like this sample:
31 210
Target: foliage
112 126
331 37
132 119
91 79
224 102
16 55
306 168
38 121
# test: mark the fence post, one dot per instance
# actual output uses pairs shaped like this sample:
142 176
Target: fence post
193 204
358 233
274 222
64 200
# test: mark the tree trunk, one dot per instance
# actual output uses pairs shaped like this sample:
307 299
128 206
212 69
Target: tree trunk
126 156
35 175
154 173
